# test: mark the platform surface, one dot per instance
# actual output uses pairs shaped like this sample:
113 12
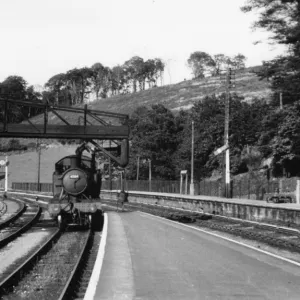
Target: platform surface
151 258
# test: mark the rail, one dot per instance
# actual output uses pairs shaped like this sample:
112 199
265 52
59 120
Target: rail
14 216
73 278
10 280
16 233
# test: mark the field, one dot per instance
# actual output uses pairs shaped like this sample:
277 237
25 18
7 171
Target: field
24 167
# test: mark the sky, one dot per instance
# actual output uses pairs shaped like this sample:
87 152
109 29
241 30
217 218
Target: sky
42 38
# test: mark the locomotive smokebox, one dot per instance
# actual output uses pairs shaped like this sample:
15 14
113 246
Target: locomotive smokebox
74 181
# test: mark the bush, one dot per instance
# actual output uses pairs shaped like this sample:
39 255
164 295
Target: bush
14 144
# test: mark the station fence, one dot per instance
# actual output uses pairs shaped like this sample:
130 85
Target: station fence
246 187
32 186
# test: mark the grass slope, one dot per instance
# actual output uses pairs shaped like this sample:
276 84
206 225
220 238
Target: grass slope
175 97
184 94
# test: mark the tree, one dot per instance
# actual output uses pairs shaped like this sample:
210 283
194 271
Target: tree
282 19
150 72
98 75
78 82
14 86
153 136
220 63
32 95
107 82
281 134
208 115
239 61
200 62
118 79
135 71
159 69
56 84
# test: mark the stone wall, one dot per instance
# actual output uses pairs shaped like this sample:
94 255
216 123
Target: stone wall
252 210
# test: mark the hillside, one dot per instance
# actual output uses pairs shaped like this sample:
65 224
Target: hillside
184 94
175 97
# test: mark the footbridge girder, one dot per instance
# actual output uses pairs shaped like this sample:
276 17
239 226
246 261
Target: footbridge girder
61 122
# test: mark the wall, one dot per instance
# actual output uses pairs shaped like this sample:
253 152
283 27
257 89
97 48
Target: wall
252 210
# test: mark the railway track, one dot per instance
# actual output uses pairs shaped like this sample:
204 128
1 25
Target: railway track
79 279
61 269
281 237
13 216
12 275
3 207
20 223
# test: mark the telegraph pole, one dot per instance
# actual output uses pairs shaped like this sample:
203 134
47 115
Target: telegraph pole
226 134
39 163
138 168
150 174
6 175
109 169
192 186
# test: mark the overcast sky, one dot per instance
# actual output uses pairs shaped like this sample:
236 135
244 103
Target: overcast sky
41 38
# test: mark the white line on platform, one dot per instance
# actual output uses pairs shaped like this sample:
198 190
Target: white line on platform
230 240
91 290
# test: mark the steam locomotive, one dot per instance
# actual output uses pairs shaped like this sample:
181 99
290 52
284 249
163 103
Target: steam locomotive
76 190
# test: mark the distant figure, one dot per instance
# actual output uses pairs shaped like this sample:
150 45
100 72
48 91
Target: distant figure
4 196
122 197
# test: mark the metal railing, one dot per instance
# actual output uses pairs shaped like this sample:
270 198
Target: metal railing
244 188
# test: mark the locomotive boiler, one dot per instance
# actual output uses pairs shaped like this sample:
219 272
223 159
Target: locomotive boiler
76 190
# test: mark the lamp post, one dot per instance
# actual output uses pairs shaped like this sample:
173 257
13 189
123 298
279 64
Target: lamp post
192 186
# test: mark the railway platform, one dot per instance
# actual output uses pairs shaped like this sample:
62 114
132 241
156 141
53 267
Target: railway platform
147 257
